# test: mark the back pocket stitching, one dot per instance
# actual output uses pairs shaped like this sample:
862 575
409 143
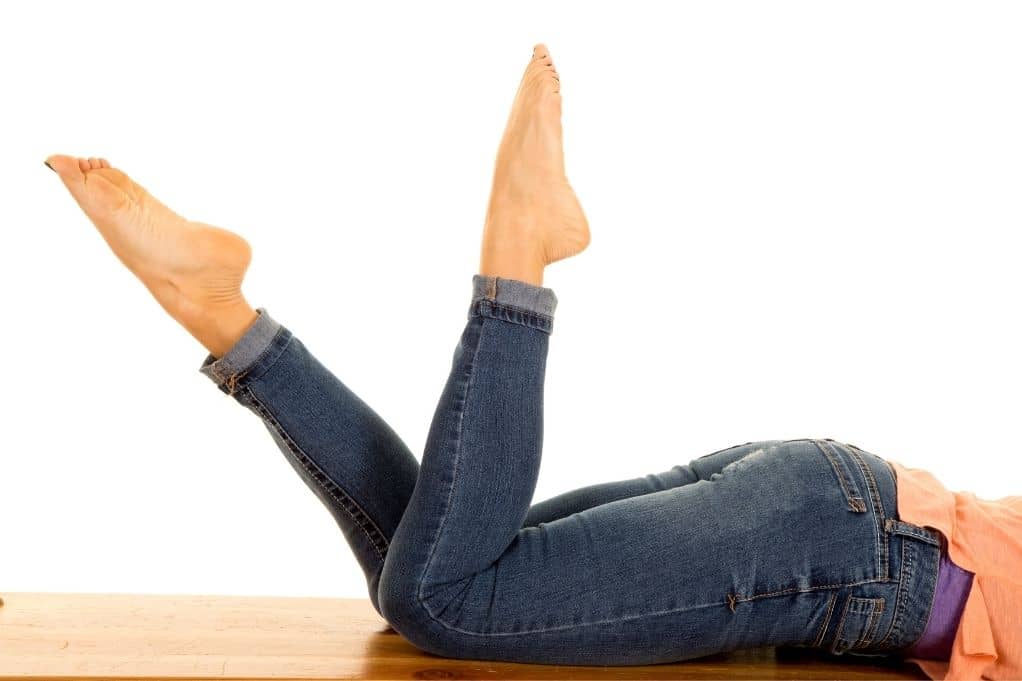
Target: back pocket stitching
865 636
818 641
877 501
870 631
855 501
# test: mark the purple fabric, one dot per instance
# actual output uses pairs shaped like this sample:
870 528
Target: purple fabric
953 584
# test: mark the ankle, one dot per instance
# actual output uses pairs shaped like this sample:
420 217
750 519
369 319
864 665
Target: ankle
218 326
220 330
512 261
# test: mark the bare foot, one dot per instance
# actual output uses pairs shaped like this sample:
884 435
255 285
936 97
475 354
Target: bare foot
534 217
193 269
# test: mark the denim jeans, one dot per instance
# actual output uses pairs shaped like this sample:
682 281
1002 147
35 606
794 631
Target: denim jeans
773 543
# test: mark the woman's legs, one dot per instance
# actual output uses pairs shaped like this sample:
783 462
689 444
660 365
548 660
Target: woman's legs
347 455
341 448
784 543
566 586
344 451
352 460
575 501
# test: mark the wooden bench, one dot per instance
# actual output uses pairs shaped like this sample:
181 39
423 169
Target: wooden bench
63 636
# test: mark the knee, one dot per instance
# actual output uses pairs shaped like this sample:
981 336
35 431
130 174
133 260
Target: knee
396 597
374 592
401 604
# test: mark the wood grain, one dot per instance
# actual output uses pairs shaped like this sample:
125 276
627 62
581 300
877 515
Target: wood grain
64 636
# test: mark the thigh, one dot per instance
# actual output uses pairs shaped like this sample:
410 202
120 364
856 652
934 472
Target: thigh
584 498
748 556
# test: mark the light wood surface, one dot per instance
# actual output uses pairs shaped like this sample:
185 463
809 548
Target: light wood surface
60 636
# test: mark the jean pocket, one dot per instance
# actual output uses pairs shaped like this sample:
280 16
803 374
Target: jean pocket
858 624
829 449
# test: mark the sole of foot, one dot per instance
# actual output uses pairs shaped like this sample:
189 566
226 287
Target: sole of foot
194 270
534 217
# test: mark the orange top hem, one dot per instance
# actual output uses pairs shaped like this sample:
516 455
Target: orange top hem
985 538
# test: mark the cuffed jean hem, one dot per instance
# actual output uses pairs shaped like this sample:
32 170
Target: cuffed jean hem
252 354
513 301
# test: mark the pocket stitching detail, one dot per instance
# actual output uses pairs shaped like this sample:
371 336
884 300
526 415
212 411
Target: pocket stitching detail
855 502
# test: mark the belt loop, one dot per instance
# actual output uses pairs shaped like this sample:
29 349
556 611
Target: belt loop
924 534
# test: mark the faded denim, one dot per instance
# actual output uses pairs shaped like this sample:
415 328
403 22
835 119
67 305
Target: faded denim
773 543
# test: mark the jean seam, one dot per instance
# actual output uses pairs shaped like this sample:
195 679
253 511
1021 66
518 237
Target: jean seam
282 340
801 589
470 370
360 518
529 318
908 575
730 601
626 618
841 625
906 529
818 641
231 381
858 641
573 625
879 519
899 611
509 306
863 638
869 631
855 501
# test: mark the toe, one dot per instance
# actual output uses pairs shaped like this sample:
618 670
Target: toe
102 167
70 172
97 186
62 164
541 55
541 77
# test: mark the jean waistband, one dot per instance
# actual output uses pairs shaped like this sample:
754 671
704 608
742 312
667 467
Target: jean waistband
913 560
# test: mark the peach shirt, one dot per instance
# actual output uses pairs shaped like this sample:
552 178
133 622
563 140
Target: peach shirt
985 538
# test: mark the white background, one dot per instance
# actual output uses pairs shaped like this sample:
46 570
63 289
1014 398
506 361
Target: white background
805 223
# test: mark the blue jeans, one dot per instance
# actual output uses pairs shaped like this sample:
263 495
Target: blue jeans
774 543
